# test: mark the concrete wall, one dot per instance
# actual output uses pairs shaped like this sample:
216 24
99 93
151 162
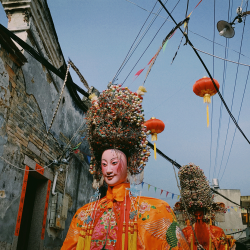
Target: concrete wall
28 98
233 218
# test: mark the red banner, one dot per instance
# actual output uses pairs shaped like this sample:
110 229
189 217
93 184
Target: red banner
23 192
46 209
39 169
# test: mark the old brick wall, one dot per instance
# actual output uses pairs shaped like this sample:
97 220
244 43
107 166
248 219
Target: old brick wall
28 99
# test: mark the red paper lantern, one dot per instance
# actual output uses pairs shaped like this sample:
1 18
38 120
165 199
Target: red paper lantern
204 87
155 126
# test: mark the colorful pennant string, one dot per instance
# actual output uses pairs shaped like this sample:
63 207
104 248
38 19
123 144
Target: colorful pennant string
151 62
155 188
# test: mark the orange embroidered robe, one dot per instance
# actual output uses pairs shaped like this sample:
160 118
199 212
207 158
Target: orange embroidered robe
119 221
217 235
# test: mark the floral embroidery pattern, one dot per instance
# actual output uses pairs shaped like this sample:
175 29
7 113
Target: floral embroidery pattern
82 216
144 207
105 227
108 219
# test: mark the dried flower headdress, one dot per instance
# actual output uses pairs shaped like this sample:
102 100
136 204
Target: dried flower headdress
196 192
115 121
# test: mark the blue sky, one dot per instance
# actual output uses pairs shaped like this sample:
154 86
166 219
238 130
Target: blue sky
96 36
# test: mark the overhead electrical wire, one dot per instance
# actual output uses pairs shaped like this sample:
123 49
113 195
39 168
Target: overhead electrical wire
224 73
233 96
196 34
235 128
211 137
23 169
39 58
224 59
179 166
133 44
128 56
204 65
186 15
149 43
221 105
187 8
232 103
219 44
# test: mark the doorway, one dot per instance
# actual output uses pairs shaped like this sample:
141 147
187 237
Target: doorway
33 210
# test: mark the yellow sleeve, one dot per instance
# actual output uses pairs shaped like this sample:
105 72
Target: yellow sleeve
72 237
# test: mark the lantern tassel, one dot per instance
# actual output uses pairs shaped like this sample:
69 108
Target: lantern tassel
207 116
155 150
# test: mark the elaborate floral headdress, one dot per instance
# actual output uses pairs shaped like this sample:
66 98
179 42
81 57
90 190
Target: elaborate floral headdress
115 121
195 192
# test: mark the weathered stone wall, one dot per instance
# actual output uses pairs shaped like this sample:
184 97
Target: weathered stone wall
28 99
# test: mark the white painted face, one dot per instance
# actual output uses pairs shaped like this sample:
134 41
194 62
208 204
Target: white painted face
114 167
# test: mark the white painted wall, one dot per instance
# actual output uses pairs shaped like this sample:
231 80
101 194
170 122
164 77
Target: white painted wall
233 215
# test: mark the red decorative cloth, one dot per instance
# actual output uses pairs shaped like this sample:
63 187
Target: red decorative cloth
216 233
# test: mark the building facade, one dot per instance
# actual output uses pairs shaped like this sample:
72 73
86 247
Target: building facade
232 223
44 156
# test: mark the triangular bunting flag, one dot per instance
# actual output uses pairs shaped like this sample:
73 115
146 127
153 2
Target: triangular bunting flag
172 196
167 193
161 191
235 209
148 186
178 197
142 184
138 73
152 59
155 189
164 46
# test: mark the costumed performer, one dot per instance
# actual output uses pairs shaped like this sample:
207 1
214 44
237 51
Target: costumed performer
196 200
122 220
